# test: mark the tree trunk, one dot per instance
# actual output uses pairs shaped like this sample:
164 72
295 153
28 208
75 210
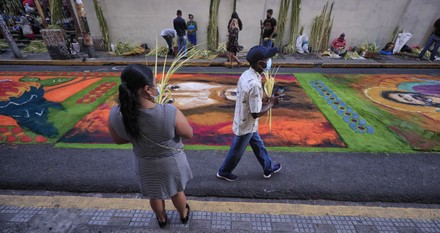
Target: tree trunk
40 12
87 38
75 19
9 39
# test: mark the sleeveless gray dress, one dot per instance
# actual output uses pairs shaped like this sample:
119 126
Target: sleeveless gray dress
160 162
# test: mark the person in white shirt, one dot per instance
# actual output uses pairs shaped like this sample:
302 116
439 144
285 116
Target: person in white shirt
248 108
168 34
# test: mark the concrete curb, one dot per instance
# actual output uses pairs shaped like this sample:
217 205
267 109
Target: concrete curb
382 65
221 64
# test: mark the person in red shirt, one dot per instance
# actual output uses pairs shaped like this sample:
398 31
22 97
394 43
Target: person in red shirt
29 6
338 45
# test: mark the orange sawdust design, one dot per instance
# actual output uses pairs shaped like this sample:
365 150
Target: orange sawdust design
98 117
13 134
289 127
62 92
10 88
93 127
57 93
391 81
211 118
177 76
96 93
6 120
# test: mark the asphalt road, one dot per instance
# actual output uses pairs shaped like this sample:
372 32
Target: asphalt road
328 176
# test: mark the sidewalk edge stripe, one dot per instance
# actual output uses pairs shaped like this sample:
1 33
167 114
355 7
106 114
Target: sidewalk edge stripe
228 207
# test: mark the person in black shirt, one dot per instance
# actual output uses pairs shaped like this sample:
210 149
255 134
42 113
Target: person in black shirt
433 39
180 27
269 29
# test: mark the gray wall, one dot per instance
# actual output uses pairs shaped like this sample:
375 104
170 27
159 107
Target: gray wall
140 21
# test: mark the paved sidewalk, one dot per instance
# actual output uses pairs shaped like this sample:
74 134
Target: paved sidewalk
286 61
37 219
51 213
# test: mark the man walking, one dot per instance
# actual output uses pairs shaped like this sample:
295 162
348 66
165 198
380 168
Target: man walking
248 108
269 28
180 27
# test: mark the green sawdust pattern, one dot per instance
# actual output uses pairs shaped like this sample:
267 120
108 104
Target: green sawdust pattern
65 119
386 118
382 140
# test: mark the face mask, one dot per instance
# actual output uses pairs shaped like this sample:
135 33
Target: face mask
155 97
268 65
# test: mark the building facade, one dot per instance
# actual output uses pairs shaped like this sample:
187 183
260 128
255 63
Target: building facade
141 21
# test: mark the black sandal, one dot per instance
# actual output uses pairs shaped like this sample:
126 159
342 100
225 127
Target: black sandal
185 219
162 224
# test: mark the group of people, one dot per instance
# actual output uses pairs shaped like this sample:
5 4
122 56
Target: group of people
183 30
433 41
187 30
268 32
338 45
28 23
156 132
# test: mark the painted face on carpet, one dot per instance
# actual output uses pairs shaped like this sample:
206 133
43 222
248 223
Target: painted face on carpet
409 105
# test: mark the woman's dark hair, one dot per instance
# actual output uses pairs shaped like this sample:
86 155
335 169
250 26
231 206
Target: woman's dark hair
133 78
235 16
416 95
387 46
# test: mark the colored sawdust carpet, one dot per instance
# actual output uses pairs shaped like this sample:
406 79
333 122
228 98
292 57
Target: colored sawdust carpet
319 112
384 112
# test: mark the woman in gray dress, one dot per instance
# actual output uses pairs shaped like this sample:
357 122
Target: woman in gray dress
155 130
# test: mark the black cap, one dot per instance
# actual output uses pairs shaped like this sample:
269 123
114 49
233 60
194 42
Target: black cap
259 52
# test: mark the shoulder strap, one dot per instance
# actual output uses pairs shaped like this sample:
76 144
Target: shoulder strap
160 145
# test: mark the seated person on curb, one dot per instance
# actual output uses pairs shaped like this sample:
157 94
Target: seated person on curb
434 39
338 45
388 49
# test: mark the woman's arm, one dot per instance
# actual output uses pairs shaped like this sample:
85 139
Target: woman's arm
183 128
116 138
